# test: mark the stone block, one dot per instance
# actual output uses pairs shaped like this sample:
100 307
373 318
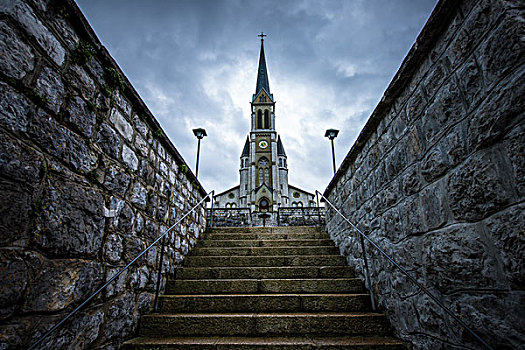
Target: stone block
61 142
130 158
66 31
473 30
141 146
488 314
506 230
411 180
49 86
434 206
17 57
499 113
14 278
515 148
503 50
61 283
71 221
435 164
82 82
140 125
446 108
81 116
23 14
471 82
15 110
116 180
126 219
20 162
120 318
113 248
109 141
121 124
480 186
118 285
458 258
16 208
122 102
138 195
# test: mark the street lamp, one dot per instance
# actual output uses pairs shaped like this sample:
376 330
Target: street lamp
199 133
332 134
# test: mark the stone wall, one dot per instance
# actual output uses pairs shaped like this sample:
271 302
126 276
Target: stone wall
437 179
88 179
301 216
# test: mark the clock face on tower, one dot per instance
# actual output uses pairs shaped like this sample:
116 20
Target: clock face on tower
263 144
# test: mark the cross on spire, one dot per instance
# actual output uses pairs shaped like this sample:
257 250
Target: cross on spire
262 35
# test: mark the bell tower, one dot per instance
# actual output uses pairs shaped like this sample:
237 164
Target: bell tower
263 138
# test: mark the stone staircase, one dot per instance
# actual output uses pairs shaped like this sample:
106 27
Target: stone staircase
265 288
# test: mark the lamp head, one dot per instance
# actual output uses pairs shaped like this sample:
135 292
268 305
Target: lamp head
199 133
331 133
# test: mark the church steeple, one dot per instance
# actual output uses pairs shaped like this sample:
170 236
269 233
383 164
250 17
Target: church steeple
262 73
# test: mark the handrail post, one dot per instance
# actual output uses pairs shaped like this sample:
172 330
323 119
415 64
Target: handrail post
159 275
367 275
211 211
318 209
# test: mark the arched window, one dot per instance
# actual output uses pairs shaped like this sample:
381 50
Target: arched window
280 162
299 204
260 176
267 176
228 205
259 119
234 205
264 171
266 120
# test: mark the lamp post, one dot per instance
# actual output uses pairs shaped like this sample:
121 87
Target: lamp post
199 133
332 134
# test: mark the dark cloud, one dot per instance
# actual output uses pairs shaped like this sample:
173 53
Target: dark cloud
194 64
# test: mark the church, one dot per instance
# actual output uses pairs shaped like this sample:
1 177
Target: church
263 168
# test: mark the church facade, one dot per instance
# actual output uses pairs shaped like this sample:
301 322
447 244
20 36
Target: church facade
263 168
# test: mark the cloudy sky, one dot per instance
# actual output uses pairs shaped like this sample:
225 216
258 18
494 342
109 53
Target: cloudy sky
195 62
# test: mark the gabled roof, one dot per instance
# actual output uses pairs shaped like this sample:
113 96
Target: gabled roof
246 149
228 190
280 148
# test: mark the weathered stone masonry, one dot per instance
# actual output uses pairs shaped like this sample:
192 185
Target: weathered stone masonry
437 178
88 179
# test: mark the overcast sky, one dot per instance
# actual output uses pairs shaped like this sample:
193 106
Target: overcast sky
194 63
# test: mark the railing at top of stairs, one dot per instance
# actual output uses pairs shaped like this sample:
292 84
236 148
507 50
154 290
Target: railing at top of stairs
159 275
400 268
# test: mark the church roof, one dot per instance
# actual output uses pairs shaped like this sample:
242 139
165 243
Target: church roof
246 149
280 148
262 75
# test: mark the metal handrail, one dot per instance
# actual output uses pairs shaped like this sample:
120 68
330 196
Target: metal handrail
163 237
410 277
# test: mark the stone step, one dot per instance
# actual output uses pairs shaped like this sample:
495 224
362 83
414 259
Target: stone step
265 343
265 303
264 272
261 261
264 324
266 243
266 236
275 230
264 251
243 286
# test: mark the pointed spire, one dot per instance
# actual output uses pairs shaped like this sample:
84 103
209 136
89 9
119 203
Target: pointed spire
262 73
280 148
246 149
